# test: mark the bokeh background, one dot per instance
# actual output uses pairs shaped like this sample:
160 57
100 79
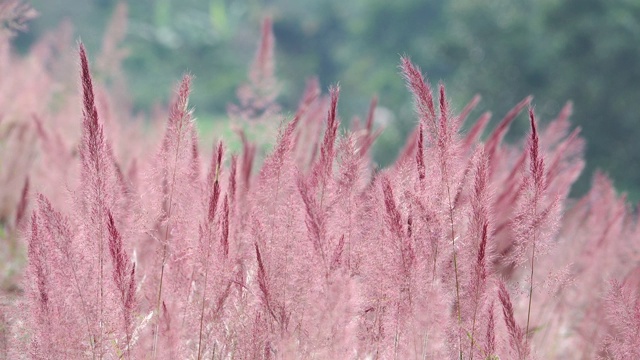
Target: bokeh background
585 51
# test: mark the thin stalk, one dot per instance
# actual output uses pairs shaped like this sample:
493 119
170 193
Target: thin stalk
286 262
273 213
473 322
455 267
479 348
206 276
445 179
477 290
349 234
128 326
473 329
204 297
84 304
164 246
435 261
396 339
155 335
322 252
101 261
425 342
537 172
188 294
533 257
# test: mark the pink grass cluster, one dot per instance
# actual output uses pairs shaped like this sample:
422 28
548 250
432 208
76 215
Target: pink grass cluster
14 15
142 245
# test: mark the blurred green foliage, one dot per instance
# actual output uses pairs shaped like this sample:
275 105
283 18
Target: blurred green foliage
581 50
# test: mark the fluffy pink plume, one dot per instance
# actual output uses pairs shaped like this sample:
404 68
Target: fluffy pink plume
143 244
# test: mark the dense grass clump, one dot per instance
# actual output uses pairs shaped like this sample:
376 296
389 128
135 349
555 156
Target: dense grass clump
141 245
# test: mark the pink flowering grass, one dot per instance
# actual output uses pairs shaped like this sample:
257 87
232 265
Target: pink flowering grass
140 244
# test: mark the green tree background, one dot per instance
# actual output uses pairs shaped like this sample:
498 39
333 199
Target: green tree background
585 51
